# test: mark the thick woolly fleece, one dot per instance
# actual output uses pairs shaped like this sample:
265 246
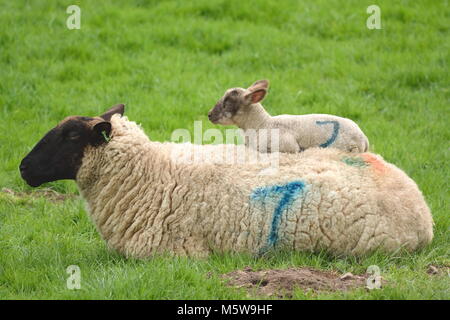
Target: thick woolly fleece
142 202
300 132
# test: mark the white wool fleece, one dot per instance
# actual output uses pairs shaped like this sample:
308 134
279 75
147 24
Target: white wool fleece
142 202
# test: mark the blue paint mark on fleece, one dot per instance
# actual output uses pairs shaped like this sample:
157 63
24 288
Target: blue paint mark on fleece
288 193
333 137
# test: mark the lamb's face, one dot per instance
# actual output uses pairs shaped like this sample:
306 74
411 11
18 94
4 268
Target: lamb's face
59 153
235 101
228 106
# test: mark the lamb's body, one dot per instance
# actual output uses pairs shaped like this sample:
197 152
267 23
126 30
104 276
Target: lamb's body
300 132
143 202
243 108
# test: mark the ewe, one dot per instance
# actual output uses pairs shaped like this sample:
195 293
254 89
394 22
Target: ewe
143 202
242 107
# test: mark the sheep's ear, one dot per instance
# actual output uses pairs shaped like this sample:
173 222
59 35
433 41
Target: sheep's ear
119 108
102 131
255 96
260 84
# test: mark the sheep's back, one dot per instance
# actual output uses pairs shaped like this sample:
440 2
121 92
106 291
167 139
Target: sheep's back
344 203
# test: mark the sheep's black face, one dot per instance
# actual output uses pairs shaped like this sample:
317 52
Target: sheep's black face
59 153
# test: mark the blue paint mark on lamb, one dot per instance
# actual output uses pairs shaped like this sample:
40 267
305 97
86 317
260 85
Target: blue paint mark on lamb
286 194
333 137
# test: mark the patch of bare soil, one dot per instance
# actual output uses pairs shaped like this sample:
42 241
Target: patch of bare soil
436 270
50 194
281 283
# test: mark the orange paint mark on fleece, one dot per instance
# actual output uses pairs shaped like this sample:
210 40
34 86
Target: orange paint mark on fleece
374 162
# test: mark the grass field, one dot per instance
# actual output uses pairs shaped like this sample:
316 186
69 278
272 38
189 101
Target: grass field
169 62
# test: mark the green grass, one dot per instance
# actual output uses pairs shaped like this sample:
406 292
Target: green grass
170 61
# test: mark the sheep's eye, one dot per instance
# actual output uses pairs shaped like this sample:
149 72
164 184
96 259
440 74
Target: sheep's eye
73 135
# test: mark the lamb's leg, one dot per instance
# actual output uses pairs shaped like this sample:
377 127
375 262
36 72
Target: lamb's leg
289 144
356 148
353 149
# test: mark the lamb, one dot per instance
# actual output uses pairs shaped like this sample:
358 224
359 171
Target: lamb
144 202
242 107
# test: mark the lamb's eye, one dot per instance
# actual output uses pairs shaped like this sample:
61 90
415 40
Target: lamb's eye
73 135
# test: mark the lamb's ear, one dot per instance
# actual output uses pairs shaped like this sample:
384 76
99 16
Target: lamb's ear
119 108
255 96
260 84
102 131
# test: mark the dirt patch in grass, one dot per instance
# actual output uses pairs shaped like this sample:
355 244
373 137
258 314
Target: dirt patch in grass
282 283
49 194
437 270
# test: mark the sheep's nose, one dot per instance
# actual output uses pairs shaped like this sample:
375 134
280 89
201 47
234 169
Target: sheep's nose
209 115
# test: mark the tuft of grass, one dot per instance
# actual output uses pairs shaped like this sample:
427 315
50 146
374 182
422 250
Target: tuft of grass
169 62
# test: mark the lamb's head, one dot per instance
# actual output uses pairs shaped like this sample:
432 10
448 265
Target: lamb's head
236 101
59 153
